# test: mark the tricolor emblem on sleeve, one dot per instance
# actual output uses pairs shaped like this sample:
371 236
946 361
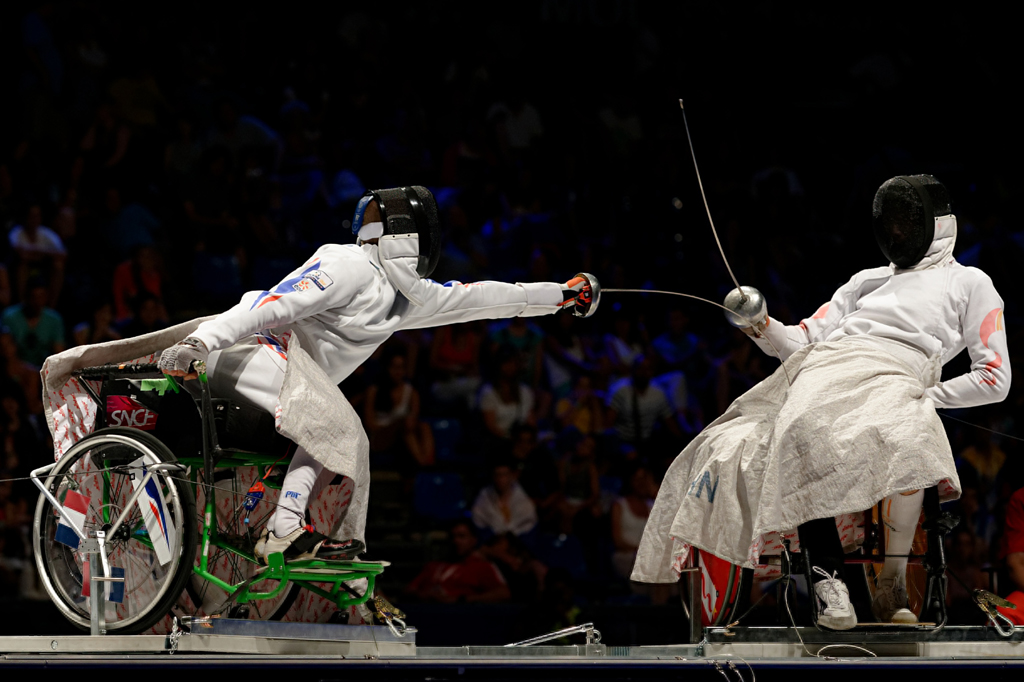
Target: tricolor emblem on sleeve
75 505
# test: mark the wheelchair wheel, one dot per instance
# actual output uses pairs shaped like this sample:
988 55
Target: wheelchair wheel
200 596
102 467
724 589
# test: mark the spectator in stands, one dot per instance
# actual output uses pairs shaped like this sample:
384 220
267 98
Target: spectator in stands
455 363
964 561
469 160
687 413
467 577
99 328
623 346
20 448
579 487
676 355
10 565
38 331
738 371
138 98
557 608
506 401
236 134
19 428
566 355
629 516
985 458
208 202
534 465
182 154
392 414
23 375
102 150
5 286
129 227
526 339
7 193
524 573
504 507
40 253
44 67
974 513
676 346
636 406
140 275
582 409
147 316
1012 552
355 388
519 121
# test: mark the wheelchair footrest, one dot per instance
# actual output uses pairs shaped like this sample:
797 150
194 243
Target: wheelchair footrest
326 566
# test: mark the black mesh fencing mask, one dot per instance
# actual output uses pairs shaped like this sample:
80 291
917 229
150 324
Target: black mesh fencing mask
412 210
903 216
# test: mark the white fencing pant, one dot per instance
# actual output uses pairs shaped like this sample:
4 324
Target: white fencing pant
252 372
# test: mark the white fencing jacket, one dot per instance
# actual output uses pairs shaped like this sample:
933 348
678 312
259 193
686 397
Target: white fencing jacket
938 307
343 306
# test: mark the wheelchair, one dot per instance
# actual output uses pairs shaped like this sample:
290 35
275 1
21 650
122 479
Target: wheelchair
720 590
175 486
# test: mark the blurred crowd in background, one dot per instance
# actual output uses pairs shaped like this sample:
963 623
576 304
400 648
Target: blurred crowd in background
153 168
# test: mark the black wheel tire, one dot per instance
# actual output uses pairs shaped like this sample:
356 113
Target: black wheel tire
189 532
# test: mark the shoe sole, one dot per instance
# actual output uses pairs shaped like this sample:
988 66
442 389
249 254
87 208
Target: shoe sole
900 617
837 624
903 617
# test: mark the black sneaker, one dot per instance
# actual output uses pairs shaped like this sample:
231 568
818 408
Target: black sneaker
306 543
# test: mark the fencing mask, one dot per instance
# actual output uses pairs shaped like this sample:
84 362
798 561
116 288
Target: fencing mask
409 236
904 213
407 213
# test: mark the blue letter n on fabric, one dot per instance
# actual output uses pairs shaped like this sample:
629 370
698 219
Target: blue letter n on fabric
702 482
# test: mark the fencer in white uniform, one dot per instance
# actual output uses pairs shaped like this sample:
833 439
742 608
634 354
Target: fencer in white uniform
858 423
343 303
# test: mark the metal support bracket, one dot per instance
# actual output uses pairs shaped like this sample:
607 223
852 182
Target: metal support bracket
594 646
99 576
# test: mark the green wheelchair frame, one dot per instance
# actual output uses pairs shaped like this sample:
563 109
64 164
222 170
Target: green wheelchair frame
308 574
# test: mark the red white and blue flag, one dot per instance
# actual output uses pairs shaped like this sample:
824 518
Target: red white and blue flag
111 591
76 505
154 513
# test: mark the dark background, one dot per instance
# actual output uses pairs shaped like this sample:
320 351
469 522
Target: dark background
797 113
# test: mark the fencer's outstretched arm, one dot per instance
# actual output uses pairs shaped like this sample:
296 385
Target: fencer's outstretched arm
434 304
453 302
981 319
332 278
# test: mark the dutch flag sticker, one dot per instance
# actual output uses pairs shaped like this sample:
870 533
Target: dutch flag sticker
76 505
